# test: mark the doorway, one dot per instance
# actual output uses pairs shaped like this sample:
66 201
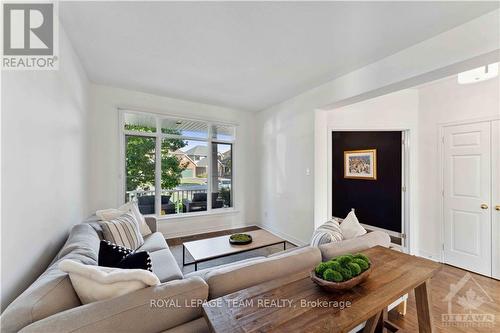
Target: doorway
381 202
470 196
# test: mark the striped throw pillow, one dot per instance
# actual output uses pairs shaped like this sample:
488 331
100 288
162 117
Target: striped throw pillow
123 230
328 232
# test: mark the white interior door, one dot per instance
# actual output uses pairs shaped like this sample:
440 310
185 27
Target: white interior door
495 191
467 196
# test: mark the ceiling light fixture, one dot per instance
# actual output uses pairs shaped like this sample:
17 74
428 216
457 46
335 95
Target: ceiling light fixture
478 74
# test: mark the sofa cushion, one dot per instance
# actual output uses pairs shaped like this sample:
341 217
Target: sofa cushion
52 292
82 239
165 266
152 309
354 245
229 279
93 221
198 326
154 242
203 273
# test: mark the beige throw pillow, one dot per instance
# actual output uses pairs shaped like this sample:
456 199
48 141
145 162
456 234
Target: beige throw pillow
123 231
350 226
96 283
129 207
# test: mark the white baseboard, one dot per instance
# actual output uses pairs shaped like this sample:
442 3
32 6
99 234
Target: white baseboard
430 256
283 235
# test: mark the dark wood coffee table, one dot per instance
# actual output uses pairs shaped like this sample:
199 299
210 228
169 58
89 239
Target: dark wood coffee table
292 304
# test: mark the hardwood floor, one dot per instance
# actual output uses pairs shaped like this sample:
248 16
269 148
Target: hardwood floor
180 240
486 290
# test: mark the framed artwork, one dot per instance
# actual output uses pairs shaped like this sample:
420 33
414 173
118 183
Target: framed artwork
360 164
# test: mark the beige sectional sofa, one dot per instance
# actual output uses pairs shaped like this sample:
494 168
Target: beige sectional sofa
50 304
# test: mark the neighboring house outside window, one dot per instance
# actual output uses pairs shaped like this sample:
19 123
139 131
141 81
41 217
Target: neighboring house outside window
176 166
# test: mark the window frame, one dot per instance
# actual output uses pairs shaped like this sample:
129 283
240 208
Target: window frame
159 136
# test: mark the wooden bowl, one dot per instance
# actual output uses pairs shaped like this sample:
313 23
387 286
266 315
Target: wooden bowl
338 286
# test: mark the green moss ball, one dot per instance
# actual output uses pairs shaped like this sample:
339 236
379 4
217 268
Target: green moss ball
321 268
344 260
354 268
334 264
362 256
331 275
346 273
362 264
328 274
337 277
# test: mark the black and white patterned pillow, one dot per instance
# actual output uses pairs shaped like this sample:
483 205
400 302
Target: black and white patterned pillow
113 255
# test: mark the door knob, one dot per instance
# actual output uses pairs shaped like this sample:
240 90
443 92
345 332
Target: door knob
497 207
484 206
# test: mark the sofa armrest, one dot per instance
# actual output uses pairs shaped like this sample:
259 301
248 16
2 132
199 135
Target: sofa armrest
357 244
148 310
152 223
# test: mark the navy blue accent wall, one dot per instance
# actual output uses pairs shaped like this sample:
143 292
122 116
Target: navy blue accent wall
376 202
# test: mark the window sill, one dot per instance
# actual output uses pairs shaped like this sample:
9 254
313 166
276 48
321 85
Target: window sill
220 211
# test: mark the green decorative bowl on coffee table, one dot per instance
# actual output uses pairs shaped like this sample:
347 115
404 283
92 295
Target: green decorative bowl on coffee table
240 239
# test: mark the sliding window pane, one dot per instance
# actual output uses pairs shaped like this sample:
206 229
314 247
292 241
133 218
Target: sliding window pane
186 128
222 175
140 172
184 176
140 122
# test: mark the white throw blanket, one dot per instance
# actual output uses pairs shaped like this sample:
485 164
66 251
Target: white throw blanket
95 283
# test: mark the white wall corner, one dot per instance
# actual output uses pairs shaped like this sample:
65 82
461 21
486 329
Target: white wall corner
284 235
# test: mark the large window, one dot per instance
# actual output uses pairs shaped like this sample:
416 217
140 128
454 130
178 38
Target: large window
177 166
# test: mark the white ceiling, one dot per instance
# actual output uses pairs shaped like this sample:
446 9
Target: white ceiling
247 55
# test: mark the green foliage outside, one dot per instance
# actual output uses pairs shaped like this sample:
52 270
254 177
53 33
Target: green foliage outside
342 268
140 160
225 195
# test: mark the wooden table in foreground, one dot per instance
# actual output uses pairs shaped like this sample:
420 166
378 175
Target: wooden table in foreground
217 247
296 304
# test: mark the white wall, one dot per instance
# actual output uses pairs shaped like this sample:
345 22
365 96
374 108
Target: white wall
290 138
286 192
396 111
441 102
105 165
44 136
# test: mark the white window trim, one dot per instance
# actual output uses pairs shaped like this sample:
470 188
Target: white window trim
159 136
